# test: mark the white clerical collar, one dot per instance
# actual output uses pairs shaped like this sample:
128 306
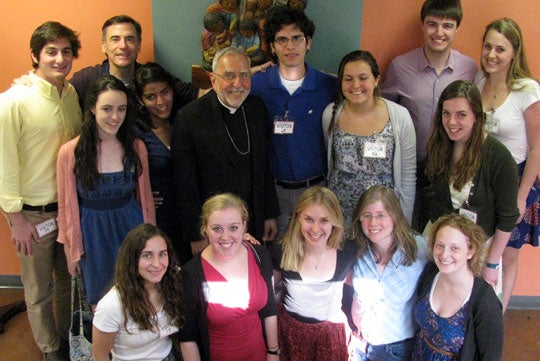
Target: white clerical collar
231 110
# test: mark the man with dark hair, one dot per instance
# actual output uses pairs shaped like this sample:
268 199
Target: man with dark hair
35 120
219 144
295 96
416 80
121 44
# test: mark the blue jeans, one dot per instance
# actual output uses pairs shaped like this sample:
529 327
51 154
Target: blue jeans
395 351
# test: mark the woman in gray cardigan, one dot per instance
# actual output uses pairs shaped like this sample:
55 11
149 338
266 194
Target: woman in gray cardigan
370 140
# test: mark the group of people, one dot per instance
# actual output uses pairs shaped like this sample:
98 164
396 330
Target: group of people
127 165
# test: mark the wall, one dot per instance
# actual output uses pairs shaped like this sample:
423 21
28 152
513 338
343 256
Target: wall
18 19
178 27
390 29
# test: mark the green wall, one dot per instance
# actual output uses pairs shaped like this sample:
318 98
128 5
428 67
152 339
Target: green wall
178 25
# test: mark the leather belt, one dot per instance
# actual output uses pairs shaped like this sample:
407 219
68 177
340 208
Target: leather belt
51 207
301 184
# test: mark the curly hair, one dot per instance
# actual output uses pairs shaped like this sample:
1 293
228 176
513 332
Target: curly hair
278 17
474 233
293 241
136 304
86 155
402 233
440 146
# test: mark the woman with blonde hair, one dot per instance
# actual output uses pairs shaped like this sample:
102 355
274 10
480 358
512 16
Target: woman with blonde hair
458 313
312 263
230 306
511 100
390 260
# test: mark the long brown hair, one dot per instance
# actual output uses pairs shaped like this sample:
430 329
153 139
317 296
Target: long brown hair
402 233
135 299
441 147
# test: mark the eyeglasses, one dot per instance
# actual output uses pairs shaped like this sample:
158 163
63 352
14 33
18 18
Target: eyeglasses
378 217
230 77
297 39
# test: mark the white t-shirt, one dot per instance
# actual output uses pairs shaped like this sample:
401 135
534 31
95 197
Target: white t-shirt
136 345
509 116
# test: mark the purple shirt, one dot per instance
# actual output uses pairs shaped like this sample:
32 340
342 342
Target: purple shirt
413 83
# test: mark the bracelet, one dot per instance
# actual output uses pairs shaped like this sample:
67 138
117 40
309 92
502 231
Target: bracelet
492 265
273 351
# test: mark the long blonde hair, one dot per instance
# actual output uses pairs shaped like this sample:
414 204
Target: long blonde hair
293 241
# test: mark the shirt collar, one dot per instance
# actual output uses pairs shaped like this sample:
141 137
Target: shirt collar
423 61
45 86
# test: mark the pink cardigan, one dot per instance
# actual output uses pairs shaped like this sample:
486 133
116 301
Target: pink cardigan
69 226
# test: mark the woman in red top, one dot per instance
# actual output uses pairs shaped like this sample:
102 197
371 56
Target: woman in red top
230 306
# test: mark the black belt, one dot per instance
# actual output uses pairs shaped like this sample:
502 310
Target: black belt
51 207
301 184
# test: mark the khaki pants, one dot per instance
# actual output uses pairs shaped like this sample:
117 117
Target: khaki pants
45 274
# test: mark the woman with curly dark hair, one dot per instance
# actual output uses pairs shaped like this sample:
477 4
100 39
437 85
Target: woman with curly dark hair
103 186
134 319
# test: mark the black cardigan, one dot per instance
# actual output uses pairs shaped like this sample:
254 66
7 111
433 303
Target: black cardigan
484 326
494 196
195 327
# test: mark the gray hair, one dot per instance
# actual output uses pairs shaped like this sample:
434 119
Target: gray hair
229 50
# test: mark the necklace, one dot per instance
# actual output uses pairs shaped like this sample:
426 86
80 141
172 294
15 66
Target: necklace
247 134
316 263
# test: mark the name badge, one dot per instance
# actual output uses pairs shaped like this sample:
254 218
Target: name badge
468 214
166 329
283 125
374 150
46 227
492 123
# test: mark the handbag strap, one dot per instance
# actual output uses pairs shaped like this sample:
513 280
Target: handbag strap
78 289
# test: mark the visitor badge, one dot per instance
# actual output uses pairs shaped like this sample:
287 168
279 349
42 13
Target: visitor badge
468 214
492 123
46 227
283 125
166 329
374 150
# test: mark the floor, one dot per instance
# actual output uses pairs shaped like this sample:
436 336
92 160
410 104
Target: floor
522 328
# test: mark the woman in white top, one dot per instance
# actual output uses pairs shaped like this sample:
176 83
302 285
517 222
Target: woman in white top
312 262
134 319
511 101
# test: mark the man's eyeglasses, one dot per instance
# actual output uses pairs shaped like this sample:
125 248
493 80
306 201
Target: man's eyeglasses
297 39
230 77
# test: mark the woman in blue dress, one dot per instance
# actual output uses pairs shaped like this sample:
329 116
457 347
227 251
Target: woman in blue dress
158 106
458 313
103 187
